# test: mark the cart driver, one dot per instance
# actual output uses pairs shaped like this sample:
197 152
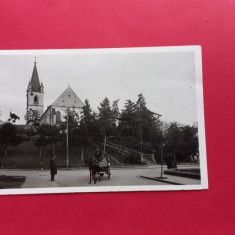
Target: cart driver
98 155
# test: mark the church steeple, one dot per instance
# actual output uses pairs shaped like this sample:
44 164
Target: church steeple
35 83
35 92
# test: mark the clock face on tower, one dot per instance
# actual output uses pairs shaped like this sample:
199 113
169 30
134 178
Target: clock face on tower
31 94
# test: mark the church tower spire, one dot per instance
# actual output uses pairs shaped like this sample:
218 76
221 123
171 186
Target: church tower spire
35 79
35 92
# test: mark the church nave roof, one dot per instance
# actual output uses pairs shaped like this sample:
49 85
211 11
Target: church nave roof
68 99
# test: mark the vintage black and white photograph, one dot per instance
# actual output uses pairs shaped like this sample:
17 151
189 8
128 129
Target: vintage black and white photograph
100 120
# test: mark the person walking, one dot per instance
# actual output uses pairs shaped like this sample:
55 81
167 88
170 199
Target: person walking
53 168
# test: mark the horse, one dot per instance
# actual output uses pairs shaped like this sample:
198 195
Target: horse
94 168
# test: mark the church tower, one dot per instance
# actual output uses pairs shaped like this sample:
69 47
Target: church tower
35 93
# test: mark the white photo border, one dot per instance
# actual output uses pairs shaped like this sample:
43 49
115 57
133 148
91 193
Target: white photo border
200 116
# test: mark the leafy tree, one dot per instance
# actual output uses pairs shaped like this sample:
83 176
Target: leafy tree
105 117
73 119
128 119
181 140
146 119
72 122
115 113
28 117
0 119
41 142
156 135
141 103
190 140
88 126
47 135
173 139
139 124
86 116
32 117
13 118
9 136
95 129
173 136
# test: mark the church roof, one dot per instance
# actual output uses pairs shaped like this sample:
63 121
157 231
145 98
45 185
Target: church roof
35 80
68 99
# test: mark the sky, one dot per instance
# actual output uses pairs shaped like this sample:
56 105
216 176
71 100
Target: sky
167 81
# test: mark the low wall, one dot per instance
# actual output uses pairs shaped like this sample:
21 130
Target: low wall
150 157
183 174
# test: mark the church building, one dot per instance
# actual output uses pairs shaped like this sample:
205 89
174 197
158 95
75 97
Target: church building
55 113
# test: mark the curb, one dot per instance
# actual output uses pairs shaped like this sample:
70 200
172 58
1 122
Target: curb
183 174
160 180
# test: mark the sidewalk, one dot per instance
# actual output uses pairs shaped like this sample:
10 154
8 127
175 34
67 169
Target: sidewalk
121 176
170 179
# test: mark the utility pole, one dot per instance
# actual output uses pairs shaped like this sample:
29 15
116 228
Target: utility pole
53 147
82 157
141 131
53 141
67 141
141 139
161 161
161 152
104 144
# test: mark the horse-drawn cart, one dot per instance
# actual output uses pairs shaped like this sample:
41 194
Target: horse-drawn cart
97 167
105 167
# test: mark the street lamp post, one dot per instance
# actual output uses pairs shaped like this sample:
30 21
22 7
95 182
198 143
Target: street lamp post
141 139
67 141
105 139
161 152
161 145
161 161
141 134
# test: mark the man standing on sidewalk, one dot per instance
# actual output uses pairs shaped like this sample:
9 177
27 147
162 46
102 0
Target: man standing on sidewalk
53 168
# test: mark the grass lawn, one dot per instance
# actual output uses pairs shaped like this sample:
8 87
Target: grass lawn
26 156
11 181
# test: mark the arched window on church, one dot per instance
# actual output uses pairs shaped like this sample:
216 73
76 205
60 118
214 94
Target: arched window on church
58 117
35 99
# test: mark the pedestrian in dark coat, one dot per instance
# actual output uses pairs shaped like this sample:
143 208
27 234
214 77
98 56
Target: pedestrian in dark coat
174 160
53 168
168 161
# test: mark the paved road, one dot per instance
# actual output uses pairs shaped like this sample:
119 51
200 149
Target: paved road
80 177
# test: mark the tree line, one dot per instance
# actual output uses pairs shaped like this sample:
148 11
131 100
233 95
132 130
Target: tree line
135 126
